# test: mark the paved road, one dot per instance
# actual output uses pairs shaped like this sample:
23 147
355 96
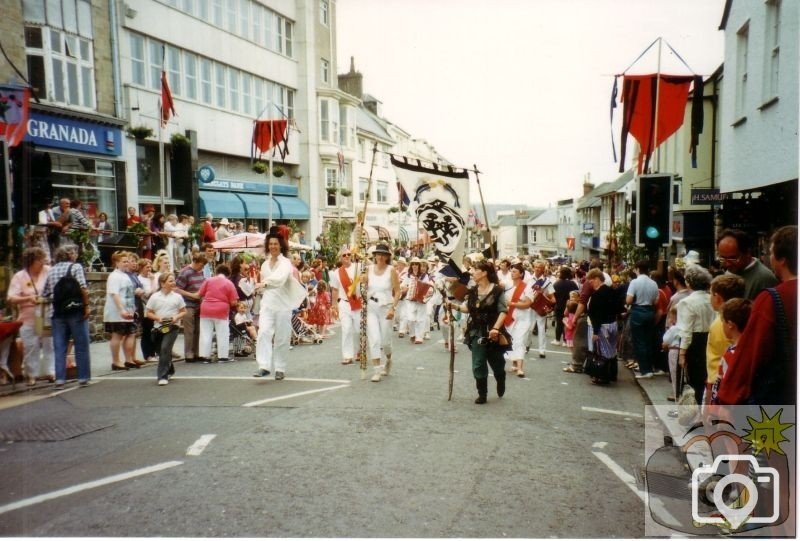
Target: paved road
218 453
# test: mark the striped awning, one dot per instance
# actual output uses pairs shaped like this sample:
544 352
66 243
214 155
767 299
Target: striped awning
402 234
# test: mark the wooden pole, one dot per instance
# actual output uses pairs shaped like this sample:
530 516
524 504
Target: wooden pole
485 214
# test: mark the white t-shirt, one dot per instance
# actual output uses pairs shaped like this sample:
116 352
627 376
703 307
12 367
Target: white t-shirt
165 305
119 283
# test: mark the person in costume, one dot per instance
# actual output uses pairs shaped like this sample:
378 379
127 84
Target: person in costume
346 304
383 294
518 322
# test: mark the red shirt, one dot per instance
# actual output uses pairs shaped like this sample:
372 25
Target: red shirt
218 293
208 232
757 344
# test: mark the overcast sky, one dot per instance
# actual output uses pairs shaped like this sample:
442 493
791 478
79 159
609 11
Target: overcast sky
519 87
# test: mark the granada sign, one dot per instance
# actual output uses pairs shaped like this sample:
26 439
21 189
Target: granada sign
72 134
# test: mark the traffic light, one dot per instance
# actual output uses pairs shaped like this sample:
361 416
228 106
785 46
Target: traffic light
654 210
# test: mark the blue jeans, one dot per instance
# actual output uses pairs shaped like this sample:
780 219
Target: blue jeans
77 328
643 325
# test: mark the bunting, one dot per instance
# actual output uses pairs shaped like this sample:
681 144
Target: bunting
13 114
442 204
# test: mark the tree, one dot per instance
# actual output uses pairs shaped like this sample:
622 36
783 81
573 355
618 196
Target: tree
335 234
627 250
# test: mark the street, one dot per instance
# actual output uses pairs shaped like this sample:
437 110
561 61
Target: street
218 453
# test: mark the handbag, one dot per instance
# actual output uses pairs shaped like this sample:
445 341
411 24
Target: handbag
595 365
687 403
41 323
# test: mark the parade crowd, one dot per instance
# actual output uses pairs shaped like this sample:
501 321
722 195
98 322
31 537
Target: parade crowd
727 335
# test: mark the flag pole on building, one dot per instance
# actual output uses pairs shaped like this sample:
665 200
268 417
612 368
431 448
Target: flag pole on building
167 107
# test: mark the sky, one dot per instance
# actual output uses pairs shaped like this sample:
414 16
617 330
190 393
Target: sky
520 88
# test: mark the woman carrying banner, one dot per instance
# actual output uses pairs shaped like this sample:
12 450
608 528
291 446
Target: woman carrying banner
487 307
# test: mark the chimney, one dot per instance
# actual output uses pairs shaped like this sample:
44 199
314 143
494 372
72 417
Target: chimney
587 187
352 82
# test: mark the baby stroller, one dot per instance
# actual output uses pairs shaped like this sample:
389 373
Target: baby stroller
302 332
241 343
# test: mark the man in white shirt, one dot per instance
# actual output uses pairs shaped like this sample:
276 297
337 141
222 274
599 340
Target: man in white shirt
642 296
542 284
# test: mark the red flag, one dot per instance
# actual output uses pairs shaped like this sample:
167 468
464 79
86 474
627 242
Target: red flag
269 133
167 104
14 114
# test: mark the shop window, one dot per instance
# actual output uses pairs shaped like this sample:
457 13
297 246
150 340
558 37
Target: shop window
382 191
88 179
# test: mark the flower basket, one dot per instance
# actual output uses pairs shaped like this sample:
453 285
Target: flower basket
392 210
260 167
179 140
277 172
331 190
345 192
140 132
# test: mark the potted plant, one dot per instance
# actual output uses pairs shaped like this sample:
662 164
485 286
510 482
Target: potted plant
260 167
179 140
331 190
392 210
277 171
140 132
345 192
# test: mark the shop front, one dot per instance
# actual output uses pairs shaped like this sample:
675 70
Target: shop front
72 155
249 202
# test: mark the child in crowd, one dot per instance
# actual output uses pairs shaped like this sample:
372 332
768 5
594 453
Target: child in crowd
320 313
723 288
569 321
243 321
671 344
735 313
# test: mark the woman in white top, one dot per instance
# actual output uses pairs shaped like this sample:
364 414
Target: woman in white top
146 277
519 320
383 293
170 229
282 294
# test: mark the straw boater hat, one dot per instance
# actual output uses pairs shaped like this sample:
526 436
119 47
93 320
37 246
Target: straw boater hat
381 249
402 260
433 259
415 260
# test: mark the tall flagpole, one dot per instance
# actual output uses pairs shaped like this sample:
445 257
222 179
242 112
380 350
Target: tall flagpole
161 165
485 214
272 152
656 150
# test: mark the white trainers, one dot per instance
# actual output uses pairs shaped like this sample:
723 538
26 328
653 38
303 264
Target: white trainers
555 342
376 377
426 336
659 373
649 375
163 382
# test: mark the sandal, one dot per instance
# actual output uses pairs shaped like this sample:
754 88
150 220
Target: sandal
520 374
572 370
631 364
347 361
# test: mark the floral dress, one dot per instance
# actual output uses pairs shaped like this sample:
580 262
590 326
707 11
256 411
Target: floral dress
320 313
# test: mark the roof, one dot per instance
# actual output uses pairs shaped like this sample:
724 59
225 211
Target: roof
546 217
367 122
592 199
725 13
505 221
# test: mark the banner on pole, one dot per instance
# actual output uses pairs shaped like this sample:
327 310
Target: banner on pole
441 201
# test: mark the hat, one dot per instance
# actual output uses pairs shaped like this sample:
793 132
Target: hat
381 249
224 221
415 260
209 216
691 258
432 258
401 259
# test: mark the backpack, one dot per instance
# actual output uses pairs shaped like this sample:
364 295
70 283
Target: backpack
67 295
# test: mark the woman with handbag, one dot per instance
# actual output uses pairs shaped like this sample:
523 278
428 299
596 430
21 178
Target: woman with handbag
486 336
165 308
518 322
602 309
24 292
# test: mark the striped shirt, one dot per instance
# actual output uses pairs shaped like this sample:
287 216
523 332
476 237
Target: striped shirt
190 280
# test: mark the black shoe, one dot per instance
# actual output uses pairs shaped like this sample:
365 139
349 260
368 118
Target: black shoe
279 376
171 369
115 367
262 373
206 361
225 360
131 365
501 386
240 354
541 355
480 400
194 360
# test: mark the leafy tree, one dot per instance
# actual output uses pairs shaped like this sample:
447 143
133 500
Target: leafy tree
627 250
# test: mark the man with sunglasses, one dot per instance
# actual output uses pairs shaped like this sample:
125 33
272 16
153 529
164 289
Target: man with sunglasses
346 304
734 251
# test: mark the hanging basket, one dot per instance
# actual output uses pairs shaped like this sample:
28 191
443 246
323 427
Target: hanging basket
345 192
139 132
277 172
330 190
259 167
178 140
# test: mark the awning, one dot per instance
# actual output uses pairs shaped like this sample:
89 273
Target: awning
291 208
221 204
257 206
